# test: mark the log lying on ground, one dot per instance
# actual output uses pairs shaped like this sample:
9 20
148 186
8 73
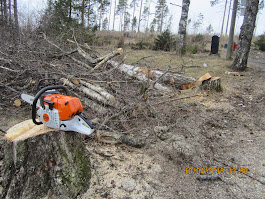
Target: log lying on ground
100 90
52 165
145 74
91 93
94 106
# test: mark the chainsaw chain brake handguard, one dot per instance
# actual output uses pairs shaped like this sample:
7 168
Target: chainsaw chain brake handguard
39 94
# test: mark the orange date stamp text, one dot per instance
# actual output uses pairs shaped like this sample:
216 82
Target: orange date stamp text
213 171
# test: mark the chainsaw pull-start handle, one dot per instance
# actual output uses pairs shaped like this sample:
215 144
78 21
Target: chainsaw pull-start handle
43 90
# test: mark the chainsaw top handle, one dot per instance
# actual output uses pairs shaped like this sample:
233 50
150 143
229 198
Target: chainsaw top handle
40 83
43 90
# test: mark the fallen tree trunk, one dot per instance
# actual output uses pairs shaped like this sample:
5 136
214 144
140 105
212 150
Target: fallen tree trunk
151 75
54 165
100 90
91 93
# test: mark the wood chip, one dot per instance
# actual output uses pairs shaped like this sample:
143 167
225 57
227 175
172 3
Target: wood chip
204 77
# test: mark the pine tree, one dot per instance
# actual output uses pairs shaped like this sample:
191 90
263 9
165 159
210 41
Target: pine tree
121 10
140 13
103 7
16 16
105 23
134 23
133 5
146 14
161 11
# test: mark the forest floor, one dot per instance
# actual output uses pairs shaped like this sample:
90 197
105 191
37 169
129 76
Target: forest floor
222 132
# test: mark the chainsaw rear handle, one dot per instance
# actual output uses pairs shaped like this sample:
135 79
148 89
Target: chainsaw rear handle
38 96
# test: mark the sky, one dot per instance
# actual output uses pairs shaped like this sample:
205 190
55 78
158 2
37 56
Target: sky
211 15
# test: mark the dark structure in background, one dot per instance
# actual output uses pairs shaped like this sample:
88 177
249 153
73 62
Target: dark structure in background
214 45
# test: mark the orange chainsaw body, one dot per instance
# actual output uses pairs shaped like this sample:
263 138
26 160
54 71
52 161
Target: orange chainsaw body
67 106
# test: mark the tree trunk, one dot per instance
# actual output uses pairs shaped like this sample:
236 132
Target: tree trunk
134 5
109 13
16 16
83 14
5 12
53 164
70 10
223 19
162 17
10 13
143 74
114 14
181 43
232 29
227 22
140 13
245 37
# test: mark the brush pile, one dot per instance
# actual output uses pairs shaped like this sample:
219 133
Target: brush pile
118 98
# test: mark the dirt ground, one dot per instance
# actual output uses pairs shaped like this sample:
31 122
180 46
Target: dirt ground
221 132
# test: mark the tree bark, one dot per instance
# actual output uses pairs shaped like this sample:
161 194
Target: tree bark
212 84
140 13
83 14
232 29
181 43
245 37
228 17
223 19
53 164
5 12
144 74
16 16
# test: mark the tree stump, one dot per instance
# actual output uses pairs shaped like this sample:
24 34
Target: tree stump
213 83
54 164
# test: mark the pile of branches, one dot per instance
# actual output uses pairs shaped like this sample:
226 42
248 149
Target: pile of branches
119 99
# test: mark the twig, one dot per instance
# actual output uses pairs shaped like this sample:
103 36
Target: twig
168 68
174 99
9 88
208 177
3 131
16 71
258 180
62 54
79 62
142 59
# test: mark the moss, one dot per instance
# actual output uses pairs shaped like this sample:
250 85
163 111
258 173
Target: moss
76 175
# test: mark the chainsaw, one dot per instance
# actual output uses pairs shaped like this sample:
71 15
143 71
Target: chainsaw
58 111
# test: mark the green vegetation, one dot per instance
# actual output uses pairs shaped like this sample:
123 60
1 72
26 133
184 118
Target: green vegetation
164 41
261 42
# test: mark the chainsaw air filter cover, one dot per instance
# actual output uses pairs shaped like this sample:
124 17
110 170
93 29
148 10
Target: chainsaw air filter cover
67 106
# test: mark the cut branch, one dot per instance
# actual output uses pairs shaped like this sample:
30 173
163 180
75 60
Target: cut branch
87 91
100 90
107 57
